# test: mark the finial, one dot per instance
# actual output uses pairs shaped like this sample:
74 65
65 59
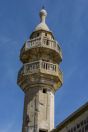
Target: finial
43 14
42 25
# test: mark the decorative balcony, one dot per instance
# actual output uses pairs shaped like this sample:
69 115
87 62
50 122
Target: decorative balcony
43 42
41 67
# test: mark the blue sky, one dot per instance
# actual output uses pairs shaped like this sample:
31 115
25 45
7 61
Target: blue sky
68 19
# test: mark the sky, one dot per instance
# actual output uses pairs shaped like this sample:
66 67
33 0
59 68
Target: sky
68 19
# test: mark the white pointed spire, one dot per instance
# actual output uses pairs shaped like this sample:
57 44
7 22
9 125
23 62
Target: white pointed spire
42 25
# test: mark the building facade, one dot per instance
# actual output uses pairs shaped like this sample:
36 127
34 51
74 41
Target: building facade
40 77
76 122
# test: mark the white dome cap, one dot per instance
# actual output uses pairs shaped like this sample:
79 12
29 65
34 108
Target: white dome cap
43 13
42 25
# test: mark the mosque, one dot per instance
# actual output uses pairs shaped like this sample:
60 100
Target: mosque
39 78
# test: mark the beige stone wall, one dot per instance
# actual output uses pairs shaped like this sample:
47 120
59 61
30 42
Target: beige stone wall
39 108
80 124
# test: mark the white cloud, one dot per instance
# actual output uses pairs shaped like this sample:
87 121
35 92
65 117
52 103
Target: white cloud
6 41
7 128
10 127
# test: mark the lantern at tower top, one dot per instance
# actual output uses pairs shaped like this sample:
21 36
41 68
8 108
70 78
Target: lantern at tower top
42 25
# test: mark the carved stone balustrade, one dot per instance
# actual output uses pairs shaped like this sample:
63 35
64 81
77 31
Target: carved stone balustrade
43 42
41 67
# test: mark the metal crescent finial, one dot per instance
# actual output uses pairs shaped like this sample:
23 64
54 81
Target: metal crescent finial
43 7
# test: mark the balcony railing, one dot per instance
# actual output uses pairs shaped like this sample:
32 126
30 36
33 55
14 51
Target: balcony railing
40 66
21 72
43 42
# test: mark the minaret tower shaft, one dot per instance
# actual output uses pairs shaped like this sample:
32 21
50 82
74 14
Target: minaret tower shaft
40 77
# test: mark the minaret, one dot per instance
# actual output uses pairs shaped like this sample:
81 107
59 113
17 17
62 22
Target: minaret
40 77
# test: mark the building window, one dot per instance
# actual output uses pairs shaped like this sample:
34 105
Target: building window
83 129
84 121
45 34
79 130
37 34
68 130
71 129
74 128
87 119
47 43
86 128
81 123
78 125
42 130
44 90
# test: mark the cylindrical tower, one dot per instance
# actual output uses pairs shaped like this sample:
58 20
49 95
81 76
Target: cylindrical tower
40 77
